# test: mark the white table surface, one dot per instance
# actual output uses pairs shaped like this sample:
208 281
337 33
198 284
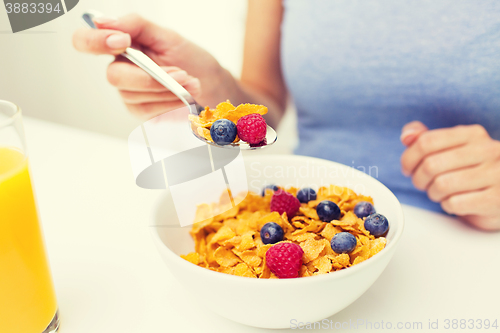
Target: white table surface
109 277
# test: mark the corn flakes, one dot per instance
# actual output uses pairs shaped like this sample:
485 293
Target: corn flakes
230 241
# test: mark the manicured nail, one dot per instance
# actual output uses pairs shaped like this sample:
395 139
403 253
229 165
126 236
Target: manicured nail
409 139
105 19
409 136
118 41
193 84
407 132
179 75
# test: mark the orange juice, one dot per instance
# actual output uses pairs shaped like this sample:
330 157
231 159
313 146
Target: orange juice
27 296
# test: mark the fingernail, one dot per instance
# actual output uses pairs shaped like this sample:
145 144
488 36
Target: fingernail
105 19
409 139
118 41
179 75
408 136
407 132
194 83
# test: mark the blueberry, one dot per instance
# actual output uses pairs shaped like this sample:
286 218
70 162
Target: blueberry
343 242
377 224
328 211
271 233
306 194
363 209
271 187
223 132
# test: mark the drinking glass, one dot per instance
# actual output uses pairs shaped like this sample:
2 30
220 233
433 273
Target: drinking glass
27 297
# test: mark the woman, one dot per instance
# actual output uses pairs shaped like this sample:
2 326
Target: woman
362 76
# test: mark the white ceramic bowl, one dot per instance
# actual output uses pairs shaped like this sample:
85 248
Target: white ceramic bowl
276 303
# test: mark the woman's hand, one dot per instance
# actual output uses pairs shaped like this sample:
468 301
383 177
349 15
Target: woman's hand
458 167
197 70
190 65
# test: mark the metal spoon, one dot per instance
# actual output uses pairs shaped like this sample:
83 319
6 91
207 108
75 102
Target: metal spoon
150 67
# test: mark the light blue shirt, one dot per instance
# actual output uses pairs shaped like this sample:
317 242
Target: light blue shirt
360 70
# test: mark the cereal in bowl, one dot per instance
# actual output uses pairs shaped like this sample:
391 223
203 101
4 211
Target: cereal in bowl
275 235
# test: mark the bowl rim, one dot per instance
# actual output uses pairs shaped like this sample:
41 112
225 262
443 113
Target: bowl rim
309 279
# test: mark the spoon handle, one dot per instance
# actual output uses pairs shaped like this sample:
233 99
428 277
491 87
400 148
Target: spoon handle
150 67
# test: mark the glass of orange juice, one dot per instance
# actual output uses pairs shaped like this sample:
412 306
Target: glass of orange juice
27 296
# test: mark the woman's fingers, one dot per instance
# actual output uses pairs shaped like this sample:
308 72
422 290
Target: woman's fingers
150 110
128 77
101 41
115 35
143 32
446 161
485 223
482 203
143 95
134 97
437 140
459 181
139 97
411 132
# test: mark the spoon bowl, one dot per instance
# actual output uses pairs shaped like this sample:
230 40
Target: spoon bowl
270 138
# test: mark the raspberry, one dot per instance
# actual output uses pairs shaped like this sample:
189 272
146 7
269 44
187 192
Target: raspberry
252 128
284 202
284 260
